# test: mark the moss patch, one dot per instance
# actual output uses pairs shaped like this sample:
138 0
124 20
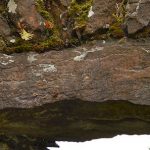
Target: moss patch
116 31
41 9
4 146
78 11
2 9
116 28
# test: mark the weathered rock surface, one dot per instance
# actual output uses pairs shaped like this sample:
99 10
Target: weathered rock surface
138 15
28 15
35 79
88 92
75 95
102 16
4 27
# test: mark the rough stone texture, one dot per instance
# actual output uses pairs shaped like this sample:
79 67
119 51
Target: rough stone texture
138 15
75 95
29 80
102 18
78 94
4 27
27 12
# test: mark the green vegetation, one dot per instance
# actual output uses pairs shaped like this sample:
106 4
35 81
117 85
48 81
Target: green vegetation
116 29
41 9
2 9
51 35
78 11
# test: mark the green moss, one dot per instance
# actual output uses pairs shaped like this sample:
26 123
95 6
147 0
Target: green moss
2 9
19 46
74 41
4 146
116 31
41 9
79 12
52 42
54 39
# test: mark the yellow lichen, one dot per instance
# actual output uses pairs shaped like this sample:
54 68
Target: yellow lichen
25 35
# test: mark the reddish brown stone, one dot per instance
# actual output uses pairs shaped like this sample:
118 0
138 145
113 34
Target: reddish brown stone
114 73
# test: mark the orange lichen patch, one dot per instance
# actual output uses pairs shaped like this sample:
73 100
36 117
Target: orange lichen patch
48 24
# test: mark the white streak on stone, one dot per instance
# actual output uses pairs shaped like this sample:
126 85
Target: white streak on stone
91 12
85 53
32 57
12 6
11 61
6 59
80 57
7 56
146 50
60 16
106 26
6 62
104 42
12 40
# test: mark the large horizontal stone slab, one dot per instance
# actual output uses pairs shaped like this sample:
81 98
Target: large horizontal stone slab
94 74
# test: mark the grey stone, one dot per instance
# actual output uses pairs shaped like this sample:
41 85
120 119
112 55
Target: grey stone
133 1
138 15
4 27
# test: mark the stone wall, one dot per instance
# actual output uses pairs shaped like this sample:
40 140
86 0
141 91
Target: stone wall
40 25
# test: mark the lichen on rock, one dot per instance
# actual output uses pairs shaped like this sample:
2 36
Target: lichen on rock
12 6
